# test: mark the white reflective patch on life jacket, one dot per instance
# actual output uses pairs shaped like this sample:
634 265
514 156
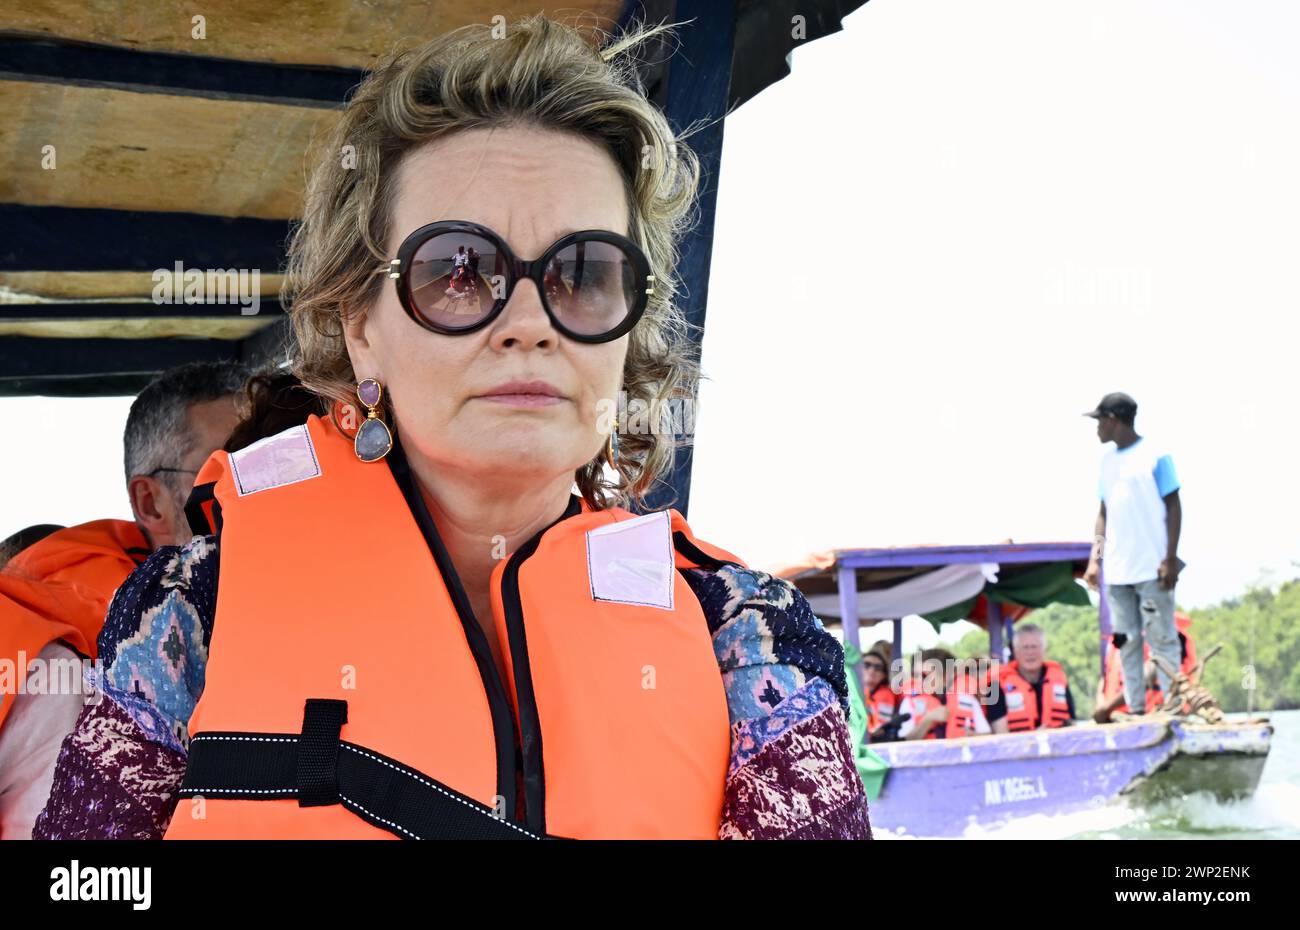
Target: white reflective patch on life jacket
285 458
979 723
631 561
1015 700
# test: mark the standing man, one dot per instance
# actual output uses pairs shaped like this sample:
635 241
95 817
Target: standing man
1137 538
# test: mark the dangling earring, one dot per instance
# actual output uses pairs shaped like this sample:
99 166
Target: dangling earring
611 447
373 438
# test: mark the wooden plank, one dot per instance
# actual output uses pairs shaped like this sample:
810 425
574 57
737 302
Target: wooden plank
114 149
160 327
341 33
41 287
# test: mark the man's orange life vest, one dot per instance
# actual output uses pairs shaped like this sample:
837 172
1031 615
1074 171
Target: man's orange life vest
1022 701
59 588
1113 682
350 692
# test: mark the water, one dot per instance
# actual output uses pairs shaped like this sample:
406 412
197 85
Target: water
1273 812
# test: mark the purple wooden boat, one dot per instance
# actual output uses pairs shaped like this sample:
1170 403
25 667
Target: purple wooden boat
947 787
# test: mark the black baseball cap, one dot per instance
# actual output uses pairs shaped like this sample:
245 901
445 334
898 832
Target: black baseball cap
1117 404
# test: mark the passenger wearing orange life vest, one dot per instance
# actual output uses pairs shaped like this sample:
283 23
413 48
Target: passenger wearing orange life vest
55 591
944 698
878 695
421 629
1110 689
562 587
920 699
1034 688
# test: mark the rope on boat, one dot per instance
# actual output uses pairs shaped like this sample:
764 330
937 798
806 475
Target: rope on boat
1187 696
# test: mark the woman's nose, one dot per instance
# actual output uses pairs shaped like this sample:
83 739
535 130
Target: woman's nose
524 319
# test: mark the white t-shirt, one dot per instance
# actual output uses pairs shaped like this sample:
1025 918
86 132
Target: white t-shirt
1134 482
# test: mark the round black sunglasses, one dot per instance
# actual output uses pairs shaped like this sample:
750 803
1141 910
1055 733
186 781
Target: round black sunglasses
455 277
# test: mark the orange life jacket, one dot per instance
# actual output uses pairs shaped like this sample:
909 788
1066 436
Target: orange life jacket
916 700
881 704
1113 684
1184 625
1022 702
965 714
59 588
350 692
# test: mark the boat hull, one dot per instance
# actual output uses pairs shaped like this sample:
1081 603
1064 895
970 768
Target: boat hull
945 787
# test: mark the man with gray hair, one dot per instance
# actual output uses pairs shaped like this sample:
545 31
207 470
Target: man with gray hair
176 422
55 591
1035 689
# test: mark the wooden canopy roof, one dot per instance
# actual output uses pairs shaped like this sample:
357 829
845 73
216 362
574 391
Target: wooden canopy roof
136 136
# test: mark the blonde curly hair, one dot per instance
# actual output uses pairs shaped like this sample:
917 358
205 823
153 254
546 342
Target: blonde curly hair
540 73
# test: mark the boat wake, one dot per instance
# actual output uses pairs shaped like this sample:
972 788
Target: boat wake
1272 812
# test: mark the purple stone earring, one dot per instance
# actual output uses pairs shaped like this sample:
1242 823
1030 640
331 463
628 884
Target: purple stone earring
373 438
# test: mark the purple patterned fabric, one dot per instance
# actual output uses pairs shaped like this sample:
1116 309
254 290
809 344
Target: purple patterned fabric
749 737
111 781
791 774
801 784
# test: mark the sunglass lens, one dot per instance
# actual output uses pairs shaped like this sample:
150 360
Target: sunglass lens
591 287
451 279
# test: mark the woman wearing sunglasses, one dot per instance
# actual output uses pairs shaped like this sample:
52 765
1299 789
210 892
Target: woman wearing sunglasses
435 615
879 695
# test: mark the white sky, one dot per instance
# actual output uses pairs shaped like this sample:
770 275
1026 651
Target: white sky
1038 202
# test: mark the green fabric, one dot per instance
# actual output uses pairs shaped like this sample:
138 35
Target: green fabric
871 767
1031 586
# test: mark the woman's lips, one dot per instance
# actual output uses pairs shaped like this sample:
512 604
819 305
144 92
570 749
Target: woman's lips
524 400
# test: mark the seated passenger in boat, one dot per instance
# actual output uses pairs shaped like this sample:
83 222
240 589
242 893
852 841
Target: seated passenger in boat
1035 689
948 698
446 606
879 697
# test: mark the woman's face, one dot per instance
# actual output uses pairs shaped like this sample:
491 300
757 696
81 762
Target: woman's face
531 187
873 673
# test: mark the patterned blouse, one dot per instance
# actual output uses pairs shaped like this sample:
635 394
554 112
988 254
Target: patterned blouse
791 774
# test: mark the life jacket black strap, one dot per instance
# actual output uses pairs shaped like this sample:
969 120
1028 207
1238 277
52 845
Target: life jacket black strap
318 768
203 510
698 555
318 752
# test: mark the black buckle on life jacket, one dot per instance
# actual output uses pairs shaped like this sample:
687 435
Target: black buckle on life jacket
318 751
317 768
